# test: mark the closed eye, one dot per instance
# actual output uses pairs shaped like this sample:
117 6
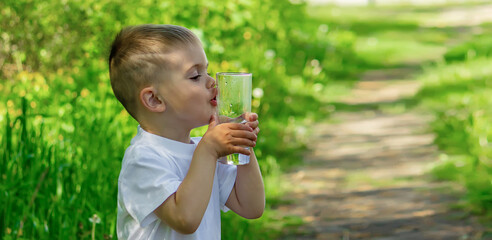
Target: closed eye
195 78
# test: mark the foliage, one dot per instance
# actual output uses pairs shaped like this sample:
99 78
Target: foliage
477 47
459 94
381 43
63 134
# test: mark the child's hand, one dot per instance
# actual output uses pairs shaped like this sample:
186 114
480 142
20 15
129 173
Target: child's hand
228 138
252 119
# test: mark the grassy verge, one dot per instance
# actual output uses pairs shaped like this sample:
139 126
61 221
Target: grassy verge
457 84
459 95
387 44
457 91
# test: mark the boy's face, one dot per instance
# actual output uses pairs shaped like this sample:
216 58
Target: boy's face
188 91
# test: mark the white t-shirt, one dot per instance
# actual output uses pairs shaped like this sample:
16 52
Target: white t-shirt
152 170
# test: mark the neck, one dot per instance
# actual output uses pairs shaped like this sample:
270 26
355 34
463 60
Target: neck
167 130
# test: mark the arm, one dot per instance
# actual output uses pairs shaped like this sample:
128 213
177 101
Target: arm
247 197
184 210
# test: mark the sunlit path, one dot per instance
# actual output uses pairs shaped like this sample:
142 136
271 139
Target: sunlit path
365 176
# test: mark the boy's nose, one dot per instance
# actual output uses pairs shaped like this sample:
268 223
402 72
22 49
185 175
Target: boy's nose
211 82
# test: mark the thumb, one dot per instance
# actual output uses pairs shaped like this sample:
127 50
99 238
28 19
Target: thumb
213 121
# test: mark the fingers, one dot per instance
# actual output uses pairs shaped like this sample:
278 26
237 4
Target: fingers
244 134
243 138
234 137
250 117
239 126
256 131
241 150
246 126
243 142
253 124
251 121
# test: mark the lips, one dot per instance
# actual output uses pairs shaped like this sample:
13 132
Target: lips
213 101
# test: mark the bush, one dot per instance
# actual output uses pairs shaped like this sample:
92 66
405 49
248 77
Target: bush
459 94
63 134
478 47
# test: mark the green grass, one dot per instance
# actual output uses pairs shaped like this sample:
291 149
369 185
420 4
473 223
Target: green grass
63 134
382 43
456 84
395 51
459 95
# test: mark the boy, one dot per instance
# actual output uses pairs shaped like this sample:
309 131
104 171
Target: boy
170 185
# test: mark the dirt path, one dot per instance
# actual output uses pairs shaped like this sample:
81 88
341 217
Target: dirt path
365 176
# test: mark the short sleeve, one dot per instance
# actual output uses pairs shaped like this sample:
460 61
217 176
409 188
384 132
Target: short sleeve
226 175
146 183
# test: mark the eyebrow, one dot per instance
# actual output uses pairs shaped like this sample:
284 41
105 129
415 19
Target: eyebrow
195 66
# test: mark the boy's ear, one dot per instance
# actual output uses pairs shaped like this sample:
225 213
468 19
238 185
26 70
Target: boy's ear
151 100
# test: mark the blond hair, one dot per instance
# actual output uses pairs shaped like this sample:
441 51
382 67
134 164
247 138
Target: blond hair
137 57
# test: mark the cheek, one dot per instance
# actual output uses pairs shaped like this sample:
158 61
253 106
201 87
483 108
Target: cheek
177 96
196 95
189 97
194 100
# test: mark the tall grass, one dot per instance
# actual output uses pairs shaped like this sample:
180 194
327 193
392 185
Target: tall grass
58 166
63 134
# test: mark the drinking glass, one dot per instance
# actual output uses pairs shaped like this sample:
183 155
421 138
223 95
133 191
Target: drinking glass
233 101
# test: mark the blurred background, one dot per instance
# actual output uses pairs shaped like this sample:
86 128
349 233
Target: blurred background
63 134
384 2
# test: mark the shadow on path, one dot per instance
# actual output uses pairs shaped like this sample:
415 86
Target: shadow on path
365 175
